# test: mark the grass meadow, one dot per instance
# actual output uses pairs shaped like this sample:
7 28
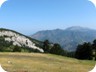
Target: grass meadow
36 62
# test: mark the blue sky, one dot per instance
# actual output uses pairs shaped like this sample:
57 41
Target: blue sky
30 16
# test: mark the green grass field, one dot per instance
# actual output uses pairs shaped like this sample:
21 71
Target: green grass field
35 62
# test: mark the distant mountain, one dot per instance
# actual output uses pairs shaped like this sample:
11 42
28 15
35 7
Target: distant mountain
68 38
10 38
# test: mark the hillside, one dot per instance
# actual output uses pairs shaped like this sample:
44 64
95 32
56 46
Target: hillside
68 38
35 62
10 38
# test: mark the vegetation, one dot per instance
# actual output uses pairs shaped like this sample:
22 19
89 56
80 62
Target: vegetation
94 48
68 38
17 49
6 46
52 48
56 49
86 51
37 62
46 46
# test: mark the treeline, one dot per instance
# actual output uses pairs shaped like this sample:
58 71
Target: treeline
55 49
6 46
52 48
86 51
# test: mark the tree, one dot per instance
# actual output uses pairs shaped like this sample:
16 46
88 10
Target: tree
46 46
2 44
94 47
56 49
84 51
17 49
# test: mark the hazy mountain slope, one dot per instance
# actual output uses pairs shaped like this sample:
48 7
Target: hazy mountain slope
18 39
68 38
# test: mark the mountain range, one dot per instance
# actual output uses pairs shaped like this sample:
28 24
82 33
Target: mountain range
68 38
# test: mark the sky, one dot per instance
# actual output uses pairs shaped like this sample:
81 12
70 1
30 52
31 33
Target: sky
30 16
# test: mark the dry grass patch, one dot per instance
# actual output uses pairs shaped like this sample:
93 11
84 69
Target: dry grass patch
36 62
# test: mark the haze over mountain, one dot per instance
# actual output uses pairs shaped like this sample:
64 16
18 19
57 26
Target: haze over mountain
12 38
68 38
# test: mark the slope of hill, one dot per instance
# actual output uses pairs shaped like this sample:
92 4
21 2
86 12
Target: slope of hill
17 39
68 38
35 62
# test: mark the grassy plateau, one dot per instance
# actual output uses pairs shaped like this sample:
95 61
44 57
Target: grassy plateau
36 62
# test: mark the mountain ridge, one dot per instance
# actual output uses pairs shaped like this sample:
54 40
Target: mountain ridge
68 38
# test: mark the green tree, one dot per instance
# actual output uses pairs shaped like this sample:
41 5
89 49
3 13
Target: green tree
94 47
84 51
2 44
46 46
56 49
17 49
